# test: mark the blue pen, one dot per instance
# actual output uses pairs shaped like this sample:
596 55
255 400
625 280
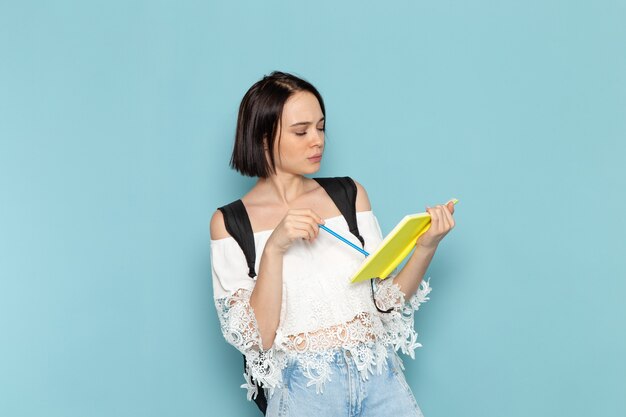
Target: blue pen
454 200
343 239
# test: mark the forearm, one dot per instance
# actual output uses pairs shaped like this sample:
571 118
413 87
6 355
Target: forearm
266 298
410 277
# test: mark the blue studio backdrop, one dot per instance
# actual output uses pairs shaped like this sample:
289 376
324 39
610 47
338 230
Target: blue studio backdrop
116 126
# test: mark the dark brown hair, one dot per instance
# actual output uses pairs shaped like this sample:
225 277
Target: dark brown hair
259 118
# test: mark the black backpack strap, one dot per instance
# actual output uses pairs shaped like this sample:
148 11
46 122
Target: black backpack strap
342 190
238 225
260 400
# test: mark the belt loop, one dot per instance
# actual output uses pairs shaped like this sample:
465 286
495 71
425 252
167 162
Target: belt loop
347 357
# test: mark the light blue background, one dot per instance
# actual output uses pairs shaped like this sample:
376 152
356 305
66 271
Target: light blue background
116 126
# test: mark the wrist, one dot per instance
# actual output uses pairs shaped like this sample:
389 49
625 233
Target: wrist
273 251
426 248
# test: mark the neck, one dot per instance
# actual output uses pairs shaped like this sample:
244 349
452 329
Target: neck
283 187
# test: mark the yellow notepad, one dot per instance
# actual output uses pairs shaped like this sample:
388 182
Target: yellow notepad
394 247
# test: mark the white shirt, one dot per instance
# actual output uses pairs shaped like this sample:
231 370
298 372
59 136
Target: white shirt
321 310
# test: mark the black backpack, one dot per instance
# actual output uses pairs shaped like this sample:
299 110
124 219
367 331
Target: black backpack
342 190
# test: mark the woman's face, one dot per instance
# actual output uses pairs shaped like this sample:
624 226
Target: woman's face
299 144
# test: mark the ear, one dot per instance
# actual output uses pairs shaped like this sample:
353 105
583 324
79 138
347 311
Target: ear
265 146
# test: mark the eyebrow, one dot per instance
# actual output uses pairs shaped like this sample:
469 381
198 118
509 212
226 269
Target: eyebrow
305 123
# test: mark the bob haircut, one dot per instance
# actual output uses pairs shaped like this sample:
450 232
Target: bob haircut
259 120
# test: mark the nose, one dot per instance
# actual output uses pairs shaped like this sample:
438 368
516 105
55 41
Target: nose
318 138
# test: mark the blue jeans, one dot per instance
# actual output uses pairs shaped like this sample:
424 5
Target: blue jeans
346 394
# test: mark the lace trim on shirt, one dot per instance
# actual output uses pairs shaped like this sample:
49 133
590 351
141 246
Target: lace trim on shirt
366 337
399 323
240 329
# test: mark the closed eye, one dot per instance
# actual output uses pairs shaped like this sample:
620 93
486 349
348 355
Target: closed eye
321 129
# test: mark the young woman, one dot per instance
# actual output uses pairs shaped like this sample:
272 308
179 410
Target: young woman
315 343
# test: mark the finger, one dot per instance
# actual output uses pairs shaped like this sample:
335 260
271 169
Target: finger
304 219
440 219
308 228
300 232
449 217
317 217
434 219
307 212
445 222
450 206
311 223
293 222
314 228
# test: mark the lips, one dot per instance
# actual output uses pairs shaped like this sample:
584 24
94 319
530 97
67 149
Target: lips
315 158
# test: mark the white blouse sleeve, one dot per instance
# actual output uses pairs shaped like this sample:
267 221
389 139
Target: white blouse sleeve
399 322
232 288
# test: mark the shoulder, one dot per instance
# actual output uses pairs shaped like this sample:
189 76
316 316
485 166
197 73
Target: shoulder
218 228
362 199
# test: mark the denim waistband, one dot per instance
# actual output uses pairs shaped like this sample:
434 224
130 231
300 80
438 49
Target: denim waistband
336 356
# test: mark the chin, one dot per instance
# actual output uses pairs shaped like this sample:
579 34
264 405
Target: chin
309 171
315 169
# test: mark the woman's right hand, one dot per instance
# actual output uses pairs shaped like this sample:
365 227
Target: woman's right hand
297 224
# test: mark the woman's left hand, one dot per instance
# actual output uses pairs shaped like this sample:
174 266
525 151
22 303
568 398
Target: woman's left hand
441 222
